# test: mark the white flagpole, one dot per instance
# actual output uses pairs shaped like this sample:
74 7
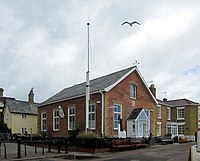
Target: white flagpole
88 84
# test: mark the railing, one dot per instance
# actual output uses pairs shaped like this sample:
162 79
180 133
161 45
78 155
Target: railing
40 143
58 143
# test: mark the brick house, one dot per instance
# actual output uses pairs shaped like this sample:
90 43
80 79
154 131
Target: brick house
180 117
121 95
20 116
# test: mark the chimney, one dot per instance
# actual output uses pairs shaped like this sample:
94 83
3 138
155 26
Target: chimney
164 99
31 97
1 92
153 90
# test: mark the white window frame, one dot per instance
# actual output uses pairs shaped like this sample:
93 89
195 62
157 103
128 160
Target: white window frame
159 128
178 113
168 113
198 113
159 112
56 120
198 125
183 129
92 116
147 111
71 116
43 121
118 114
133 91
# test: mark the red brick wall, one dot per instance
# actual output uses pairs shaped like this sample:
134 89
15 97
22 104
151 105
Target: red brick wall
79 104
121 94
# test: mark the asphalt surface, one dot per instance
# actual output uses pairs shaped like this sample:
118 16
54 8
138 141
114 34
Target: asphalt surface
170 152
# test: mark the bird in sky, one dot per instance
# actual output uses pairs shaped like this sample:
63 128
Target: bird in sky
131 23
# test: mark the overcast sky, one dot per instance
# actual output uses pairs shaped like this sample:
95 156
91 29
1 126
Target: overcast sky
43 44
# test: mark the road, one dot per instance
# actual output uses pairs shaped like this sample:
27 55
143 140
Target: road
171 152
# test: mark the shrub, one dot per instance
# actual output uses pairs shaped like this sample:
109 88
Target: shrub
89 134
4 128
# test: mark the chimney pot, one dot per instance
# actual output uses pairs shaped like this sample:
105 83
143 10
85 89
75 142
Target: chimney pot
1 92
153 90
31 97
165 99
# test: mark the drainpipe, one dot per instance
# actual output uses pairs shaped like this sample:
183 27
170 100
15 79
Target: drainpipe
102 113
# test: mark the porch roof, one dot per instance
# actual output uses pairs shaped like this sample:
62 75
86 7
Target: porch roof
134 113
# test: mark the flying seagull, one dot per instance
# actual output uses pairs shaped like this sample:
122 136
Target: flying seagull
131 23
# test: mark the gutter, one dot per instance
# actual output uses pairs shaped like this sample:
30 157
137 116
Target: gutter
102 113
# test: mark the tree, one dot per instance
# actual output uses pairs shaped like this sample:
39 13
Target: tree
4 128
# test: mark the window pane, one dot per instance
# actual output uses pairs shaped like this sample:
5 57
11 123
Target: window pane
71 118
117 115
132 91
56 120
92 116
119 109
43 121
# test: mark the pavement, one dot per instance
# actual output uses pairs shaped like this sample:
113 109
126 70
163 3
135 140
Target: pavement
195 156
11 151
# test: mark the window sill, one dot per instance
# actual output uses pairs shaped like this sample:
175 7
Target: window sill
132 98
91 129
180 118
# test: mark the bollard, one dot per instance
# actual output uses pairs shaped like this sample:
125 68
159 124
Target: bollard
49 146
0 149
198 140
58 146
19 148
35 148
42 149
66 145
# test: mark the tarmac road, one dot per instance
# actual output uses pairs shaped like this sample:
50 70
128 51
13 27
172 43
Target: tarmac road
171 152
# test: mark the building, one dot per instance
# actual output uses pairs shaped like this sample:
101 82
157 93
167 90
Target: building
180 117
123 95
20 116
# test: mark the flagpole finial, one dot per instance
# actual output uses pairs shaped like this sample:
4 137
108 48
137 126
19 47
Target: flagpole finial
136 63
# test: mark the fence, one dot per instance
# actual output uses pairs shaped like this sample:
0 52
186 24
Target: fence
22 150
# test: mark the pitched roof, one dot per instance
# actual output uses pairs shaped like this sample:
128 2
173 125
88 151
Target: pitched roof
160 102
181 102
134 113
96 85
104 83
177 103
22 107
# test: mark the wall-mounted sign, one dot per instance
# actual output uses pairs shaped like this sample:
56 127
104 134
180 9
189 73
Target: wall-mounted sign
61 112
